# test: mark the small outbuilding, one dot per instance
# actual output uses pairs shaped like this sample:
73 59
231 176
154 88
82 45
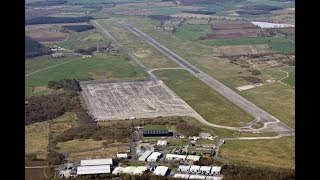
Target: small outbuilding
195 169
181 176
193 158
144 156
175 157
154 157
161 170
205 170
215 170
184 169
199 177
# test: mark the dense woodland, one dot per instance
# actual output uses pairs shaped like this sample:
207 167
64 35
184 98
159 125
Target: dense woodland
50 20
199 12
43 108
65 84
159 17
33 48
47 3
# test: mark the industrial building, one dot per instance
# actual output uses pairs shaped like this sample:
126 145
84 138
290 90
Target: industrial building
162 143
183 169
140 170
129 170
144 156
161 170
205 170
154 157
122 155
213 178
182 176
153 133
117 170
175 157
57 55
215 170
95 162
193 158
197 177
98 169
194 169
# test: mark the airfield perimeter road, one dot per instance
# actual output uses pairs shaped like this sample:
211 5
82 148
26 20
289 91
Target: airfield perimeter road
229 94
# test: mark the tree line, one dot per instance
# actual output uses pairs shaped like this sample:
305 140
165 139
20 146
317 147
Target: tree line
50 20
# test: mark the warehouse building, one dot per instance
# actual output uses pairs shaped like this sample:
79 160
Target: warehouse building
129 170
154 133
205 170
215 170
122 155
144 156
95 162
98 169
140 170
161 170
194 169
154 157
183 169
117 170
175 157
181 176
197 177
193 158
162 143
213 178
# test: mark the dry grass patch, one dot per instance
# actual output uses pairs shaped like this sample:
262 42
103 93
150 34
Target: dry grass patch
77 144
275 153
243 49
36 139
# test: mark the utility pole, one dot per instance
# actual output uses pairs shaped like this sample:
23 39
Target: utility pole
97 46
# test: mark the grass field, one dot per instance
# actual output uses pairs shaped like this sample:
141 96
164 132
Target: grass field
291 79
202 56
77 144
62 123
208 103
155 127
265 134
193 32
97 154
35 174
275 153
36 139
148 55
257 125
74 38
100 66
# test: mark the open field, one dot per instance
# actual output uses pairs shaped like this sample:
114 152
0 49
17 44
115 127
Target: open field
36 139
243 49
122 100
35 174
46 33
100 66
154 127
77 144
208 103
275 152
106 152
145 53
192 32
63 123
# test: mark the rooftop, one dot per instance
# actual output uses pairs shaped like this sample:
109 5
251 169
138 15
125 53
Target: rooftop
197 177
145 155
129 169
93 169
161 170
92 162
193 158
140 170
215 168
184 176
154 156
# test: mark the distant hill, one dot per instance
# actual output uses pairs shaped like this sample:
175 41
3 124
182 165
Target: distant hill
34 48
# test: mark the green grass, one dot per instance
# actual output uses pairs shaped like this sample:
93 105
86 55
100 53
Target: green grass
207 102
165 10
265 134
193 31
257 125
100 66
178 142
291 79
275 153
136 163
94 37
77 144
283 47
155 127
74 38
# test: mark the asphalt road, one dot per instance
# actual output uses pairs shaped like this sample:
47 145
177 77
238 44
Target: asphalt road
229 94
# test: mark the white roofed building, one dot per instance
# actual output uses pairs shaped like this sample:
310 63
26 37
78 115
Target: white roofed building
195 169
144 156
161 170
175 157
122 155
98 169
215 170
205 170
140 170
182 176
213 178
129 170
183 169
117 170
197 177
162 143
193 158
95 162
154 157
